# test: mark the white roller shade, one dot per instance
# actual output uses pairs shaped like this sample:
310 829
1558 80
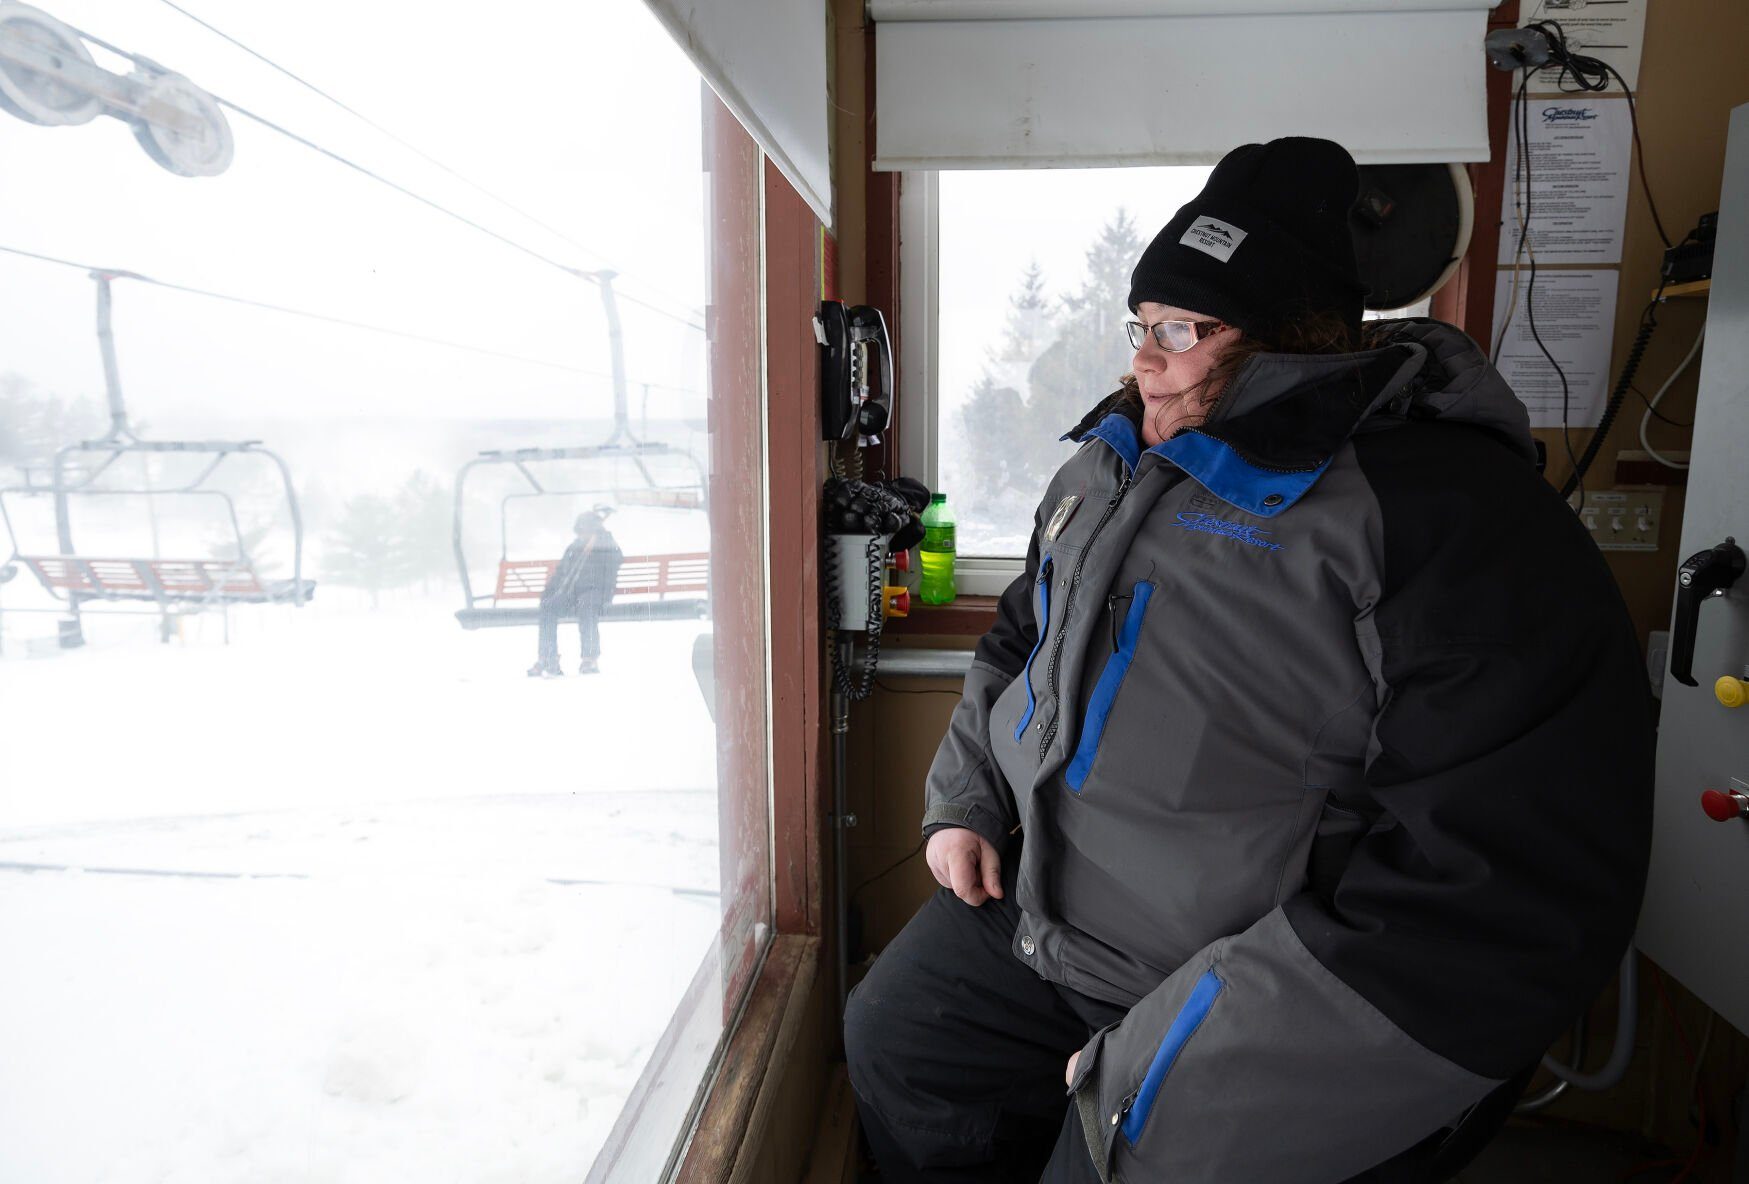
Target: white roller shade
969 84
766 59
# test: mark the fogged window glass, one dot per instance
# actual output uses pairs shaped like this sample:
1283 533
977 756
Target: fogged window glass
359 780
1035 281
1034 284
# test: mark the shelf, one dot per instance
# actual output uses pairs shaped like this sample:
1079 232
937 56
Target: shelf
967 616
1696 288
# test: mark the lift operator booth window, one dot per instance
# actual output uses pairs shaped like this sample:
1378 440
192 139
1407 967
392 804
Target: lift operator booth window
1023 276
1028 192
379 520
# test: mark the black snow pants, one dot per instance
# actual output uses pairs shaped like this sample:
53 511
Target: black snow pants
957 1048
588 611
956 1052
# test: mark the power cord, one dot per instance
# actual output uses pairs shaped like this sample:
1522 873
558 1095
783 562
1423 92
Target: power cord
1657 414
1593 75
1522 201
1630 367
1578 74
1652 406
1589 75
891 867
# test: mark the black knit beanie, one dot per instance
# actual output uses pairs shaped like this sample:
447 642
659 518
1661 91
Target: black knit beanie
1264 242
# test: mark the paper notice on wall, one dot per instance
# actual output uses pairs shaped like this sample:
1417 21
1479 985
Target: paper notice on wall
1575 318
1578 192
1613 30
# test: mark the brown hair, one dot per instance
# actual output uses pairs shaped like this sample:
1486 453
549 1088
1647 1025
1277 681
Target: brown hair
1311 333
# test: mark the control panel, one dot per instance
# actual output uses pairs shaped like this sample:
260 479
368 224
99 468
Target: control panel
1696 908
1623 519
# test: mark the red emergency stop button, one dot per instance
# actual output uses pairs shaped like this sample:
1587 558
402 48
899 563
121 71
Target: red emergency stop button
1723 807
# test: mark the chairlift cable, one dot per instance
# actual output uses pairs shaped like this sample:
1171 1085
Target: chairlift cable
333 320
577 272
373 124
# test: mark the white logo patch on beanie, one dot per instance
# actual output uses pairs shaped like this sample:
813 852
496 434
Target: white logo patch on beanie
1214 237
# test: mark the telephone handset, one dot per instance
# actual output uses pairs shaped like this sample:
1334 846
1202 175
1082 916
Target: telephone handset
848 335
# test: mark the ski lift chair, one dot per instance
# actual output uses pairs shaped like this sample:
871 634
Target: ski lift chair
667 586
176 586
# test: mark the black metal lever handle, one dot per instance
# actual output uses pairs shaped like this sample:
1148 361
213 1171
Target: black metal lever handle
1706 574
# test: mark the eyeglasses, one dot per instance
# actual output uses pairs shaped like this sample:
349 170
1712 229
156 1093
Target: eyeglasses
1172 336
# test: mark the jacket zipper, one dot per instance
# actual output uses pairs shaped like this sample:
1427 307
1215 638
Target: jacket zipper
1044 612
1069 608
1123 1109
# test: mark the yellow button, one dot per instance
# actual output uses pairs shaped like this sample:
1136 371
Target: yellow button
1732 692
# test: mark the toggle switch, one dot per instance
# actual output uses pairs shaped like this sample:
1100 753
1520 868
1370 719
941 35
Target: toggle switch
1732 692
1723 807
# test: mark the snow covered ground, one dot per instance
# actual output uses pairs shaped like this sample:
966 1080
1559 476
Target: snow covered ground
428 917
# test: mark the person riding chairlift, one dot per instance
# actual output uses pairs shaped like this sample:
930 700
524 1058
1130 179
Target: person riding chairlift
581 585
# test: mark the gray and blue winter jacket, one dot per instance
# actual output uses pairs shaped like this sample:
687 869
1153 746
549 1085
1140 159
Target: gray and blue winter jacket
1323 735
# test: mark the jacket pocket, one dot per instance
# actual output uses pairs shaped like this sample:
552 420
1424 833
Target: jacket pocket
1105 690
1044 631
1184 1026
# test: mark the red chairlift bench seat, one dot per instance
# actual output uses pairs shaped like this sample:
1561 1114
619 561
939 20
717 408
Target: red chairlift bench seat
649 587
179 581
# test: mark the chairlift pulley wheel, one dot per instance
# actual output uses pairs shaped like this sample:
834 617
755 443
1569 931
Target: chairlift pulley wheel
34 95
181 126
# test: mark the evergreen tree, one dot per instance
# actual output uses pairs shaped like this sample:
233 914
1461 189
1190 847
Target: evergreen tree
1053 361
423 506
995 413
33 425
1089 353
1029 319
366 548
989 419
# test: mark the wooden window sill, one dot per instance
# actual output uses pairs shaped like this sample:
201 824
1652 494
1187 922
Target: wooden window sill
737 1109
967 616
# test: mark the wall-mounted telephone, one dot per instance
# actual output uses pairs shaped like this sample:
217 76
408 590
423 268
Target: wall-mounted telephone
848 335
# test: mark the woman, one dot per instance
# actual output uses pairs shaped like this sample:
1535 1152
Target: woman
1275 825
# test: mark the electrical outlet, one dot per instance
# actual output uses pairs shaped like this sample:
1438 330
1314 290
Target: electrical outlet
1623 519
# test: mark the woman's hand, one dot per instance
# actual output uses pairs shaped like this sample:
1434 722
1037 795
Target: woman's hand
1069 1073
964 861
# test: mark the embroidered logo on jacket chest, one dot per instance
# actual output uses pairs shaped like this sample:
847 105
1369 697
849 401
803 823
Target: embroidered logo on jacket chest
1239 532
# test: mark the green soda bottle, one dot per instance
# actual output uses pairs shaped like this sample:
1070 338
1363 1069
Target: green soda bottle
936 552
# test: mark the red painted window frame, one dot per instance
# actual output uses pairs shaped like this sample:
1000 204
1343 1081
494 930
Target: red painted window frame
796 259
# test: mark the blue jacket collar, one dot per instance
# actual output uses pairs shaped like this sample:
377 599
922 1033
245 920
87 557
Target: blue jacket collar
1275 431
